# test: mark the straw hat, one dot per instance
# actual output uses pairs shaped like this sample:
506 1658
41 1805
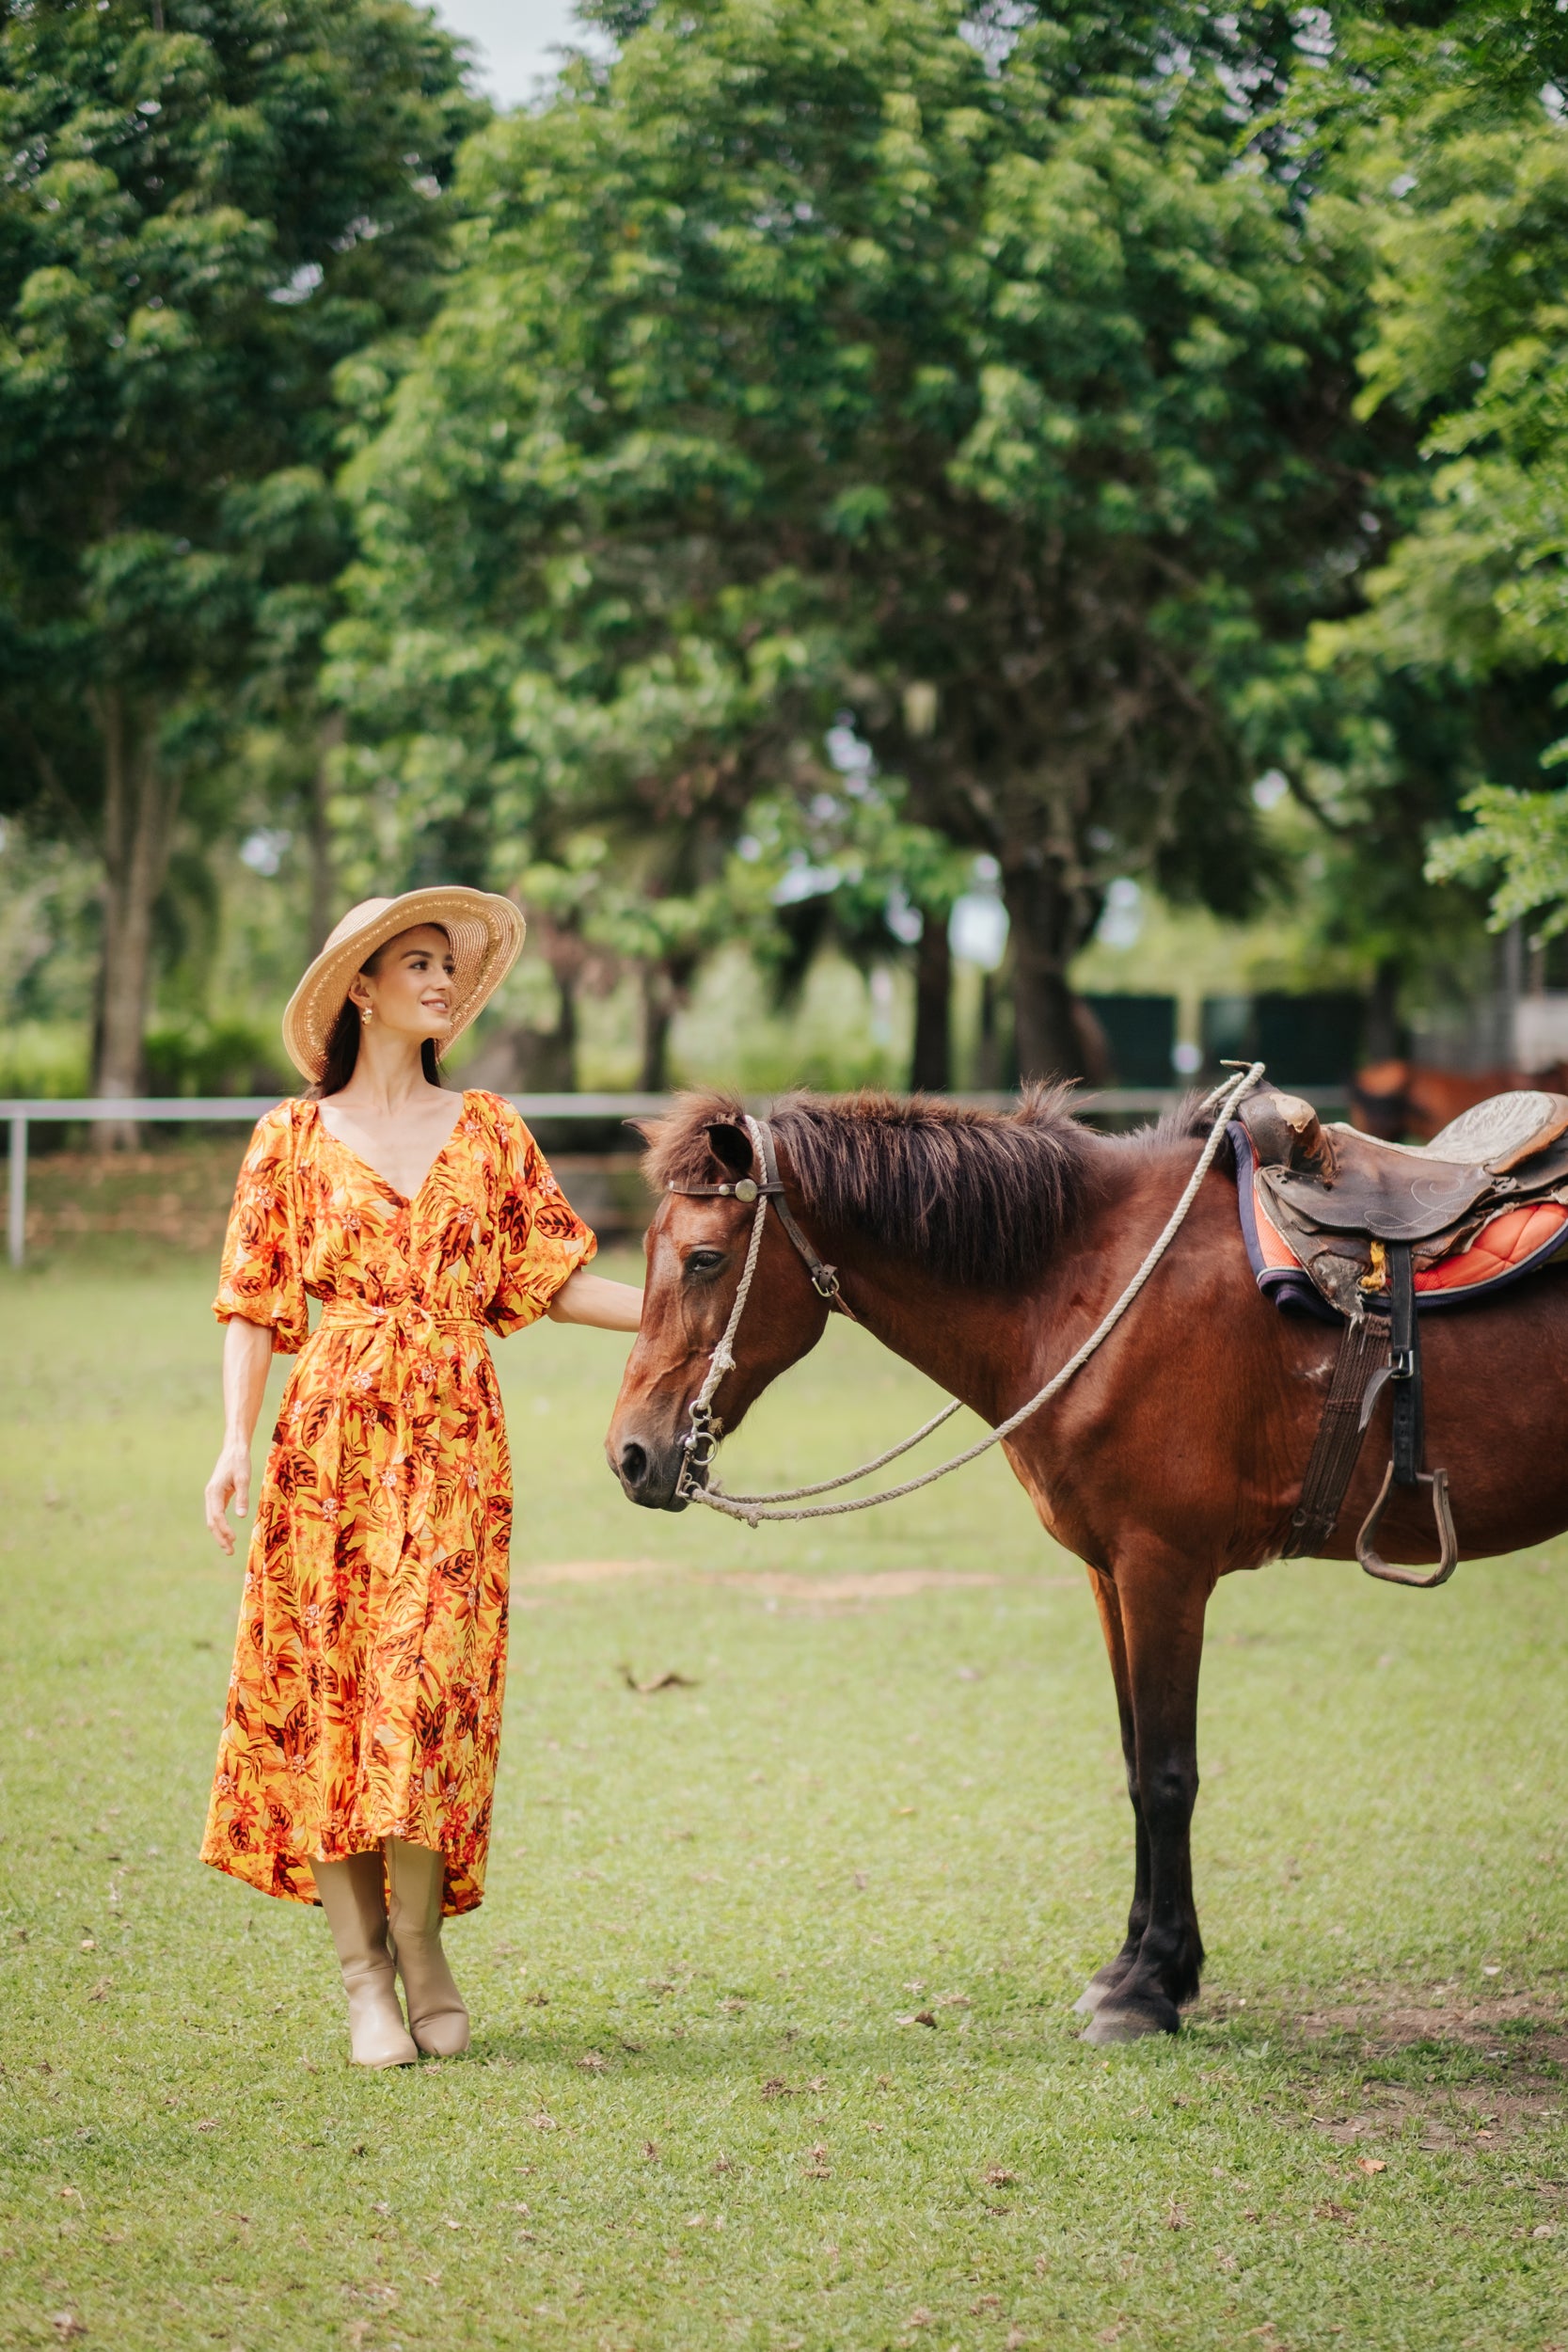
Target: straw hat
486 935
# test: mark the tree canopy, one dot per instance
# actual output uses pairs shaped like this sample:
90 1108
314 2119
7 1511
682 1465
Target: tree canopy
812 448
806 360
1461 169
205 209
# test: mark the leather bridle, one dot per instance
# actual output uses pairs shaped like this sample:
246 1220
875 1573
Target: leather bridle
701 1441
824 1278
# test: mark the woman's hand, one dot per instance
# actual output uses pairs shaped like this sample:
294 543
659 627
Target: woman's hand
229 1485
246 1354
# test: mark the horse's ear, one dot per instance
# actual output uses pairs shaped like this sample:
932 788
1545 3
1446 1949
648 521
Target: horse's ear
731 1146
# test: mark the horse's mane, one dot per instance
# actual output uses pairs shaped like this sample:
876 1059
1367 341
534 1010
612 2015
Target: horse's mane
977 1196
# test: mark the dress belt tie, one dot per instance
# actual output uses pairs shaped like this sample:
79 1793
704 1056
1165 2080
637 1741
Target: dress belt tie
345 1313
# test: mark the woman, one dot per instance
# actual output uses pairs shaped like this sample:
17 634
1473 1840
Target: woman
357 1759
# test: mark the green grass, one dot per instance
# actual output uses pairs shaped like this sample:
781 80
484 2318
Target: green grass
692 2116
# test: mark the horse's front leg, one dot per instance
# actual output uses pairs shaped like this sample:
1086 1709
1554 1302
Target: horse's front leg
1105 1981
1162 1600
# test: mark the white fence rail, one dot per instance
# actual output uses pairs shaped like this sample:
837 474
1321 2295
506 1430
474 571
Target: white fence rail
20 1114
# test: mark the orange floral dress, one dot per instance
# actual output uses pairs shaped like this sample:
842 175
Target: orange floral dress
366 1696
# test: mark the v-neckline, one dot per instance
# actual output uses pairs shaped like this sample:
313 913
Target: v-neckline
407 1199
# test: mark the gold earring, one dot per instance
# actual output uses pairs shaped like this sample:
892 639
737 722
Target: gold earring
365 1015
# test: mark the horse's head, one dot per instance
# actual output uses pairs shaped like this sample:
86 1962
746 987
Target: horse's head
696 1252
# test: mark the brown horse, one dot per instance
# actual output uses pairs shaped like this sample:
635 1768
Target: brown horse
983 1249
1396 1099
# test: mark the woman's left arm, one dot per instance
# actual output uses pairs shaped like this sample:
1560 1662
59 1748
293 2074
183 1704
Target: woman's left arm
591 1298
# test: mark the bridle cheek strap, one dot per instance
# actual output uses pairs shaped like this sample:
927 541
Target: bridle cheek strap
701 1441
824 1278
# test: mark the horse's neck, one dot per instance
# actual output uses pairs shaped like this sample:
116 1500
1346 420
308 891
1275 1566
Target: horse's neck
971 1348
990 1347
976 1344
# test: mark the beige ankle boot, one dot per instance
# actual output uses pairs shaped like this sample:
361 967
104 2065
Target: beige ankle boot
437 2017
354 1897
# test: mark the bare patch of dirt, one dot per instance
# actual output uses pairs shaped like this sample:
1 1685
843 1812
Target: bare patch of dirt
836 1591
1483 2111
1492 2026
595 1571
1485 2073
822 1591
1509 2108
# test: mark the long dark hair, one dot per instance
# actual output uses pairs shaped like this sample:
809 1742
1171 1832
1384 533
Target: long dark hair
343 1043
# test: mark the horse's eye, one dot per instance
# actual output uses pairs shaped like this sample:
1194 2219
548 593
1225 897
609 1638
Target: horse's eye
704 1261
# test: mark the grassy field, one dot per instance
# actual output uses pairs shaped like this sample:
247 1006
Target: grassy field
699 2111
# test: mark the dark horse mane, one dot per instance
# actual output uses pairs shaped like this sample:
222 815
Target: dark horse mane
978 1197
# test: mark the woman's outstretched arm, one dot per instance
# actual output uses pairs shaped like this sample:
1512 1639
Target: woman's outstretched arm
585 1297
246 1354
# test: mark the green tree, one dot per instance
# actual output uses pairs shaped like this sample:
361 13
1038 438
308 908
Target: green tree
208 205
478 751
807 358
831 857
1453 139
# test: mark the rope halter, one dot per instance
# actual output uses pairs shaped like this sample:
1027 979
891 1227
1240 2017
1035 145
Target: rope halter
701 1442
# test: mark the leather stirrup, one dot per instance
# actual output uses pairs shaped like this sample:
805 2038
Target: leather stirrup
1373 1561
1409 1438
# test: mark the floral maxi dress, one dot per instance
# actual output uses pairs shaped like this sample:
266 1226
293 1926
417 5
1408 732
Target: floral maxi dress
365 1700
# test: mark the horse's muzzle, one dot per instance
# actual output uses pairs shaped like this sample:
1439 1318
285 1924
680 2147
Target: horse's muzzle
649 1472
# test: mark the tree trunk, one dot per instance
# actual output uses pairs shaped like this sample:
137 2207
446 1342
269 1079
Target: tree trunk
1511 986
551 1054
987 1059
658 1011
1045 922
138 821
931 1063
1385 1040
322 907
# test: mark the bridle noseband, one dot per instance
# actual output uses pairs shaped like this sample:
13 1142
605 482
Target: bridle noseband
701 1441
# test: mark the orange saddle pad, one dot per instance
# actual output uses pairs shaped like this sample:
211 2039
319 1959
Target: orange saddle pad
1514 1243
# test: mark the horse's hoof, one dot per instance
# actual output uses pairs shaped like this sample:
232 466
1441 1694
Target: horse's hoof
1100 1988
1130 2021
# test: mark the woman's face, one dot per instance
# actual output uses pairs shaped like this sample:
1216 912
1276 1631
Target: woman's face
406 986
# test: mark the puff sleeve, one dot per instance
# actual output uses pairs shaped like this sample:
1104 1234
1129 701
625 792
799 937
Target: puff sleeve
540 1239
262 1277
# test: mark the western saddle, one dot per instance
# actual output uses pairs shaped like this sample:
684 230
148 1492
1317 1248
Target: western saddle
1364 1218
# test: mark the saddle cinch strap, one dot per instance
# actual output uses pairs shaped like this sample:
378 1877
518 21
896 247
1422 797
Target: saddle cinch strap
1360 1217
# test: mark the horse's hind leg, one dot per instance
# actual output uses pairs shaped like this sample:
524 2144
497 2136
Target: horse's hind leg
1105 1981
1161 1602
